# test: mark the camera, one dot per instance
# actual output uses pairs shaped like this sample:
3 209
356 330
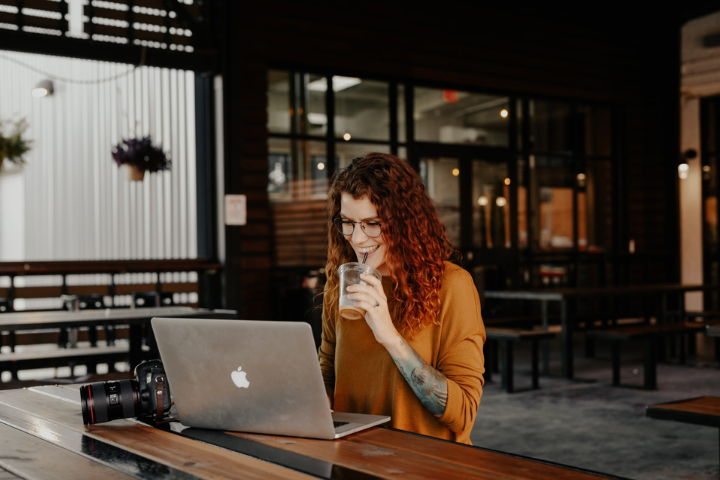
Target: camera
146 395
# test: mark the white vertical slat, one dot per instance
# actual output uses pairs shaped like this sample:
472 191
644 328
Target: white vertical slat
181 173
167 184
176 152
191 186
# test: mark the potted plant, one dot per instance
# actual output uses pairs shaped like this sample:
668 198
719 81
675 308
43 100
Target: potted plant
141 156
13 146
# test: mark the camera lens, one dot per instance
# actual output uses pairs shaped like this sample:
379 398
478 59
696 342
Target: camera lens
102 402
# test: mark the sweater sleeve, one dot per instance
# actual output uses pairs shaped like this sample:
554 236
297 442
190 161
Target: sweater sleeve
460 357
326 352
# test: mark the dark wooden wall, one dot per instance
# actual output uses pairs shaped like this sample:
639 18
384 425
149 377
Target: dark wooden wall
625 58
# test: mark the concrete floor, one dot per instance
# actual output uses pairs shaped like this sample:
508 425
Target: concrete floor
592 425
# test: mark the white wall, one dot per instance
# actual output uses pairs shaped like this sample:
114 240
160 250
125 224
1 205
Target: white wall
74 201
700 77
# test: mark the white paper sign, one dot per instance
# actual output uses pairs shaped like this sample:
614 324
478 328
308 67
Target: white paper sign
235 210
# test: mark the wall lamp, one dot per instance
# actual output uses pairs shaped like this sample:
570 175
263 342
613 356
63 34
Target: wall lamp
683 165
44 88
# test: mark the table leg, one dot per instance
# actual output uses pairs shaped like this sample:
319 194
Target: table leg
506 354
567 339
650 368
545 341
135 338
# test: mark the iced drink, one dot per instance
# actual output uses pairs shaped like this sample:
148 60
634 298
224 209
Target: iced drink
350 275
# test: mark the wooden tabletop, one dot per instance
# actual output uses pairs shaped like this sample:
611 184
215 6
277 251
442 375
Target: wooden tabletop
557 294
55 318
42 436
698 411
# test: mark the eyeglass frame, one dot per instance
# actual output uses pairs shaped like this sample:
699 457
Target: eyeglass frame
362 227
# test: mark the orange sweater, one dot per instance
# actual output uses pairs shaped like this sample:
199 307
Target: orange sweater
366 380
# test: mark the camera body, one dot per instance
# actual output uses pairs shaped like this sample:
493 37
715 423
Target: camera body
146 395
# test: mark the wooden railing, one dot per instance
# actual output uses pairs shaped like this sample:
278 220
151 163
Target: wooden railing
118 279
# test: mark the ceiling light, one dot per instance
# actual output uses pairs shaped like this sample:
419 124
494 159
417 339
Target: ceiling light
339 83
504 113
456 171
500 201
482 201
44 88
321 166
507 181
347 136
317 118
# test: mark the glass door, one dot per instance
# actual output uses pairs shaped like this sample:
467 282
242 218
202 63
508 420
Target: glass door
474 196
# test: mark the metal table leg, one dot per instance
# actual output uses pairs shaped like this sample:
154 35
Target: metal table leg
567 339
545 341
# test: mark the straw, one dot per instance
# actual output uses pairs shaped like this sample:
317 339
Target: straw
365 257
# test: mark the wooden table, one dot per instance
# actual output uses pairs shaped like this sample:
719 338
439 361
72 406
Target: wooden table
563 295
42 436
135 317
697 411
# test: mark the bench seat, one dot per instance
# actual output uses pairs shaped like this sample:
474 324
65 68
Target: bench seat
650 334
57 357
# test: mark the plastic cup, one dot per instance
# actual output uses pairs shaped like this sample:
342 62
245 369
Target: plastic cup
350 275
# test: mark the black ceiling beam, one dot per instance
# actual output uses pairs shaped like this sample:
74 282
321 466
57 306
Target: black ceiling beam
198 61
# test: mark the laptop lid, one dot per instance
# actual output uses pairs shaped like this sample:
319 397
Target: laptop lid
250 376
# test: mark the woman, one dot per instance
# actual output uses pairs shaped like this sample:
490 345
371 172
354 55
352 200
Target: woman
417 355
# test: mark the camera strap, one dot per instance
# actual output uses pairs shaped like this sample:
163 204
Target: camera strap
160 393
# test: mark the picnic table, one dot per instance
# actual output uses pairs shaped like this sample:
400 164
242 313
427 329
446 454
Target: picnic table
136 318
609 293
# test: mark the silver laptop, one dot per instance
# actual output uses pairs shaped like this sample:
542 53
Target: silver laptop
250 376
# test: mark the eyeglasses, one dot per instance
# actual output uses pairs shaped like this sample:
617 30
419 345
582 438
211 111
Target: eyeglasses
347 227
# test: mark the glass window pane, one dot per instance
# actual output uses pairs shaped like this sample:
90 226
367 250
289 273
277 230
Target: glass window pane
312 105
598 132
346 151
552 207
296 170
361 108
522 204
278 109
401 115
710 127
441 177
550 124
451 116
595 227
491 206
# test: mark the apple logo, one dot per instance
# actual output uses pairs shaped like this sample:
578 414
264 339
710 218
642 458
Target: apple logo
238 378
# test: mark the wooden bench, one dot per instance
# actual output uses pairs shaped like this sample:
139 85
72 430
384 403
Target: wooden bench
57 357
650 334
506 337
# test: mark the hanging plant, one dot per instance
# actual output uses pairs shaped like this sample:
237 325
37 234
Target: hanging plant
13 146
141 156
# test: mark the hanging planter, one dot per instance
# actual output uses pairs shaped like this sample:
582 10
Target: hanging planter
12 144
140 156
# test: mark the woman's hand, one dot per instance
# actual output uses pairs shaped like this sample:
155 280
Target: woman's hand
372 299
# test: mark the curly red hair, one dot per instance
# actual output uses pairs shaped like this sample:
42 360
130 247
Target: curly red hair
417 244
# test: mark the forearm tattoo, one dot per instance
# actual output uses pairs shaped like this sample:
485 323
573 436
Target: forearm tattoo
429 385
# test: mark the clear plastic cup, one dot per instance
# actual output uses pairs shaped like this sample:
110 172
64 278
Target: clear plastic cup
350 275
